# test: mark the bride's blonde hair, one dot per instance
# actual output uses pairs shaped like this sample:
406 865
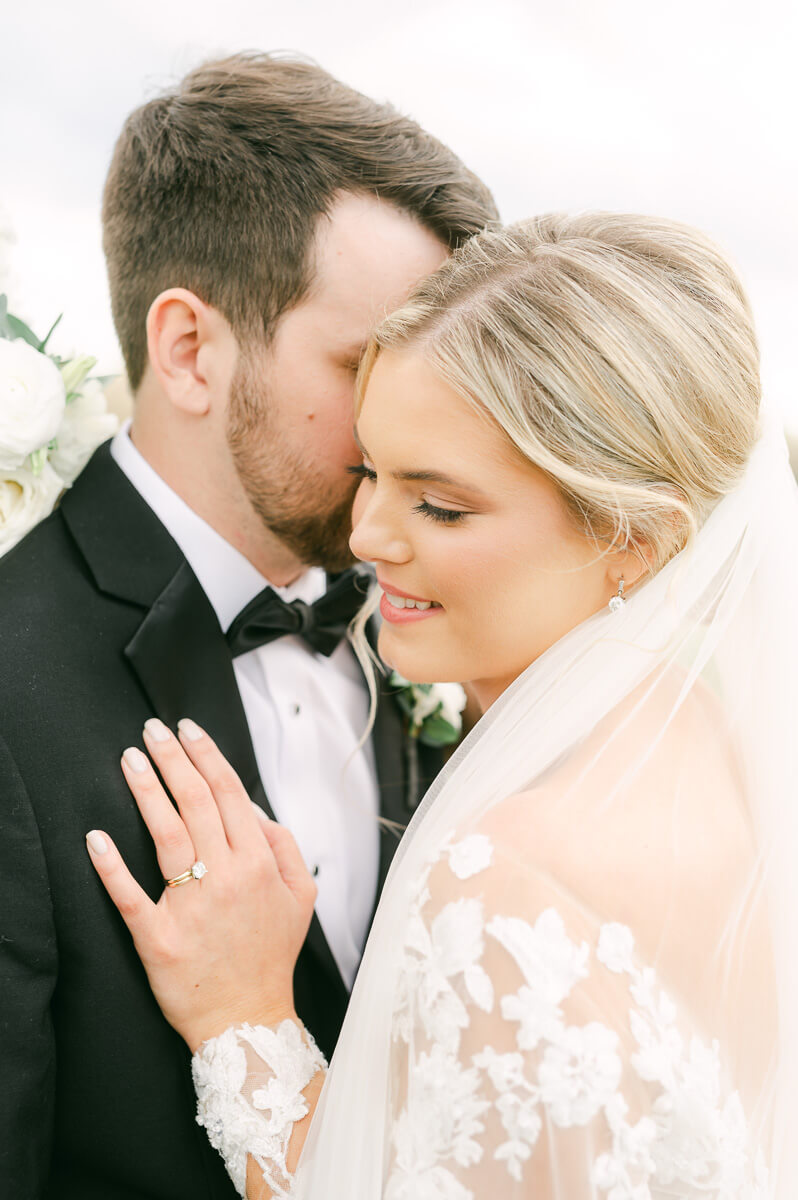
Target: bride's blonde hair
617 353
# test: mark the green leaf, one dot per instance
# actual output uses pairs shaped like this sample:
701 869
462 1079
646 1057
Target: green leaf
437 731
20 330
50 332
5 332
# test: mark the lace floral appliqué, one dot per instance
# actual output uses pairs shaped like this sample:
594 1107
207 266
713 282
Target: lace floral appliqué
249 1084
692 1140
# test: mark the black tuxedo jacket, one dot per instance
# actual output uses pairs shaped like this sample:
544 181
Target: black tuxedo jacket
103 624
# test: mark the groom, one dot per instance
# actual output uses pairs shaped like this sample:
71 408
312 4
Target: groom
258 221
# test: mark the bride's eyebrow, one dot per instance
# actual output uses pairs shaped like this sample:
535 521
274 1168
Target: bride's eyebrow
438 477
423 476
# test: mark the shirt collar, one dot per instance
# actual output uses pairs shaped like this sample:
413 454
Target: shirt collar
228 579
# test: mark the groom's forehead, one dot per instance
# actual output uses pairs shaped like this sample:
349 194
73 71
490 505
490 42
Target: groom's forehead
366 257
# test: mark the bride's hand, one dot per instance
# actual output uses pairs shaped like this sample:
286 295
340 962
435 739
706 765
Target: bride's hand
219 950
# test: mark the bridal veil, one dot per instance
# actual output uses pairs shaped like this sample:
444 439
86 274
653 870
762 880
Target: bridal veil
582 977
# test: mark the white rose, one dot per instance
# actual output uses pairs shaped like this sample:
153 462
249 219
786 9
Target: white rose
32 400
452 697
86 425
424 704
25 499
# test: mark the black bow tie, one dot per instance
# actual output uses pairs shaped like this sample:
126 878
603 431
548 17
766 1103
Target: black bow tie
322 624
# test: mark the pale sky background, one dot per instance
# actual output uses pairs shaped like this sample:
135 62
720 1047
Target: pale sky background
684 108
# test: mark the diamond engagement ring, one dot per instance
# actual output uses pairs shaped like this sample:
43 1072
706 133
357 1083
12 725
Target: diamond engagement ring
195 871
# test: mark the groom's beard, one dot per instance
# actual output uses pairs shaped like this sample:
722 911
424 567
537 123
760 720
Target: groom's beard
292 497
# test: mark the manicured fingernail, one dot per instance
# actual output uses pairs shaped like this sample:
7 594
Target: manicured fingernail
190 730
97 842
261 815
135 760
157 730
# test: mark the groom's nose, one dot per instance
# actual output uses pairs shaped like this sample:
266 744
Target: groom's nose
377 536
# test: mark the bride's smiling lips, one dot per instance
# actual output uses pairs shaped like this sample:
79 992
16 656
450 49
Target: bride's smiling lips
402 608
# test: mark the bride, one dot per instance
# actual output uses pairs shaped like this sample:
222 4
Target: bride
580 981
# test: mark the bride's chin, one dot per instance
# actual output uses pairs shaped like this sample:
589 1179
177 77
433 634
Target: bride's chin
417 667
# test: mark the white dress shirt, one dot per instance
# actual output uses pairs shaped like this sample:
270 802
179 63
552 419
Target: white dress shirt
306 715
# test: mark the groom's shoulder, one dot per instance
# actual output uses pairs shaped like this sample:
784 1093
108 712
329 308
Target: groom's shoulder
43 584
38 563
46 577
101 534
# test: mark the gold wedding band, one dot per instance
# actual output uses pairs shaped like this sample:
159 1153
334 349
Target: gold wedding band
195 871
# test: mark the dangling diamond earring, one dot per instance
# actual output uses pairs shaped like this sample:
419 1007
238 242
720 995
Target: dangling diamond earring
618 602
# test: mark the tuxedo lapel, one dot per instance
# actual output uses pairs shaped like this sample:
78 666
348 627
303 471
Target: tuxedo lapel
181 658
178 653
183 661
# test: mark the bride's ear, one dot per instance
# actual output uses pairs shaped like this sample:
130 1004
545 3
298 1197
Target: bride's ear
186 342
633 565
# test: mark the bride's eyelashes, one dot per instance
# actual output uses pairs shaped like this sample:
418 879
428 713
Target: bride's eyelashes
444 516
361 471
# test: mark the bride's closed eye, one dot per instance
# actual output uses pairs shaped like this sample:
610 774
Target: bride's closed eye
444 516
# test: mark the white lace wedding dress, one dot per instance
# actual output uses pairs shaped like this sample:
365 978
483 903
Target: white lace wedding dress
524 1053
581 980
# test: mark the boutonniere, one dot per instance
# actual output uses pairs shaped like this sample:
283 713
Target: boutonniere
434 710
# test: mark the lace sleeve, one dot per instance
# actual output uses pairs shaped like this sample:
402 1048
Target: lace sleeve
250 1085
534 1056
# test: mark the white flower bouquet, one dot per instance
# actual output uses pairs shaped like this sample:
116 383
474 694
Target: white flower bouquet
53 416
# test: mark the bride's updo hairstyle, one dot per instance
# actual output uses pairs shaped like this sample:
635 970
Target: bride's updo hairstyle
616 352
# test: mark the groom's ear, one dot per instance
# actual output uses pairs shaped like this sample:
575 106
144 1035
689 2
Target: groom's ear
190 350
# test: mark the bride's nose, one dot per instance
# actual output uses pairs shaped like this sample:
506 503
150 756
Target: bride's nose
377 535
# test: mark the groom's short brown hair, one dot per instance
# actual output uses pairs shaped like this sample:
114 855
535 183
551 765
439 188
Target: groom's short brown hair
217 186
